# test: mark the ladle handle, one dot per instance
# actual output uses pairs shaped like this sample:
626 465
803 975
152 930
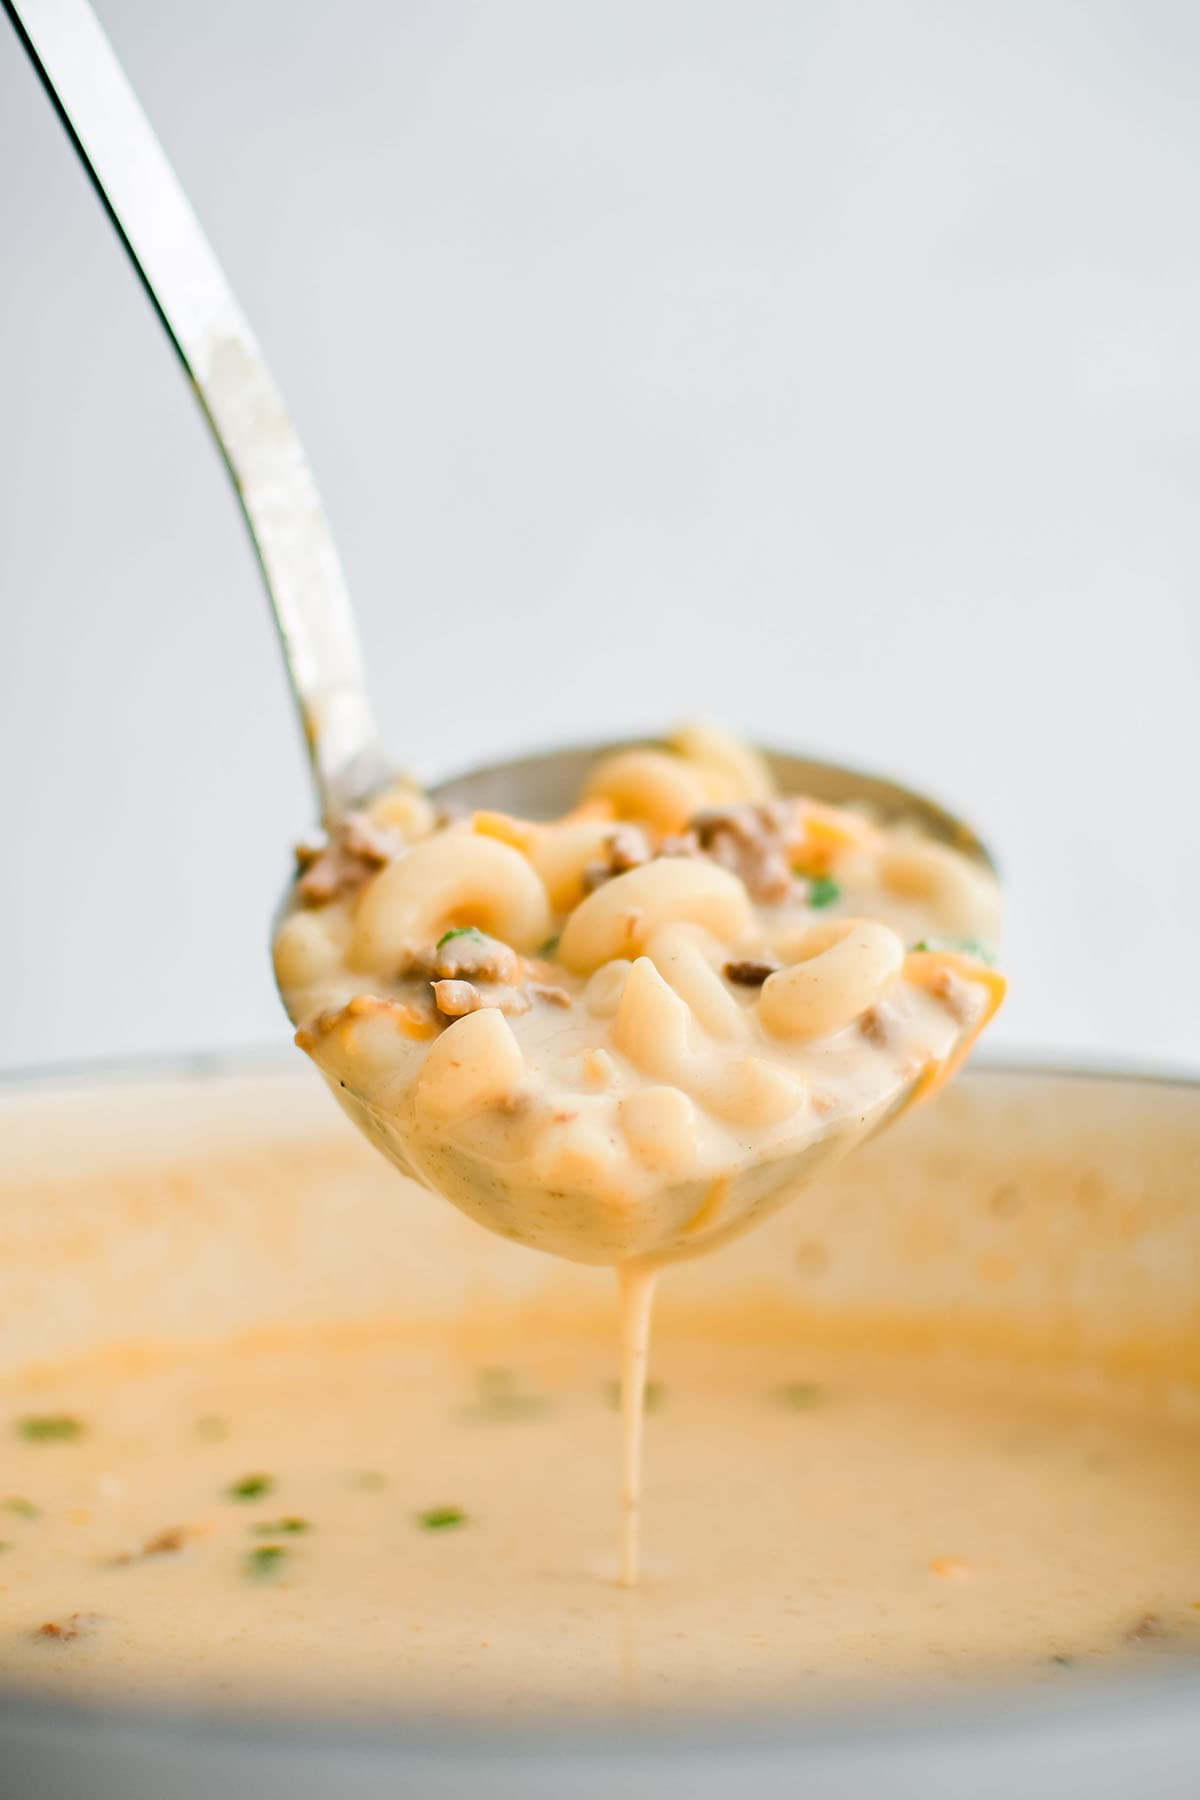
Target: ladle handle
244 408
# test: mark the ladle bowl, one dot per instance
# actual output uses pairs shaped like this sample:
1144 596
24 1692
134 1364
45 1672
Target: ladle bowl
544 785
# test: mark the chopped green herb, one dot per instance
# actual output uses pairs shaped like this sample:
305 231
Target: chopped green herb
4 1546
495 1381
504 1407
22 1508
459 931
210 1425
964 946
442 1518
800 1396
1063 1662
500 1399
282 1528
823 890
264 1561
370 1479
549 947
251 1487
49 1428
655 1394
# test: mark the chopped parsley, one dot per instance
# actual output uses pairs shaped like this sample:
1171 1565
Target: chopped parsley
264 1561
499 1398
964 946
21 1508
654 1396
371 1479
442 1518
50 1428
1063 1662
823 890
800 1396
495 1381
460 931
282 1528
549 947
4 1546
251 1487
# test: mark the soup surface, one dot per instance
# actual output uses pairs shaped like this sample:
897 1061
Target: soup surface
392 1517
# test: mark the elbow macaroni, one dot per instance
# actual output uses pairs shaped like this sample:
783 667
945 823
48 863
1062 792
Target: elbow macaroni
676 953
582 1052
837 971
664 791
734 769
475 1063
562 856
454 878
620 917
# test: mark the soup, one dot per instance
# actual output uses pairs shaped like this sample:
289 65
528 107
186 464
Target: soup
261 1446
378 1520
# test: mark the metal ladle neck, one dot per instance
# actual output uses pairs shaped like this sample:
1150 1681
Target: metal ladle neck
244 409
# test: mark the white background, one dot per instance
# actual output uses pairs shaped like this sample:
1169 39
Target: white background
833 369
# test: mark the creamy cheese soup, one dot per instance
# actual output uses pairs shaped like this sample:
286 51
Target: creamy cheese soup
391 1517
621 1035
625 1035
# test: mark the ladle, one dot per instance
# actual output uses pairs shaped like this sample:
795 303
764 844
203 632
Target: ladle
271 475
307 591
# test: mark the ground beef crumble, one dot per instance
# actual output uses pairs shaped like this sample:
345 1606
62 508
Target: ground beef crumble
547 991
749 972
754 842
757 843
876 1025
455 999
466 956
355 852
626 847
64 1631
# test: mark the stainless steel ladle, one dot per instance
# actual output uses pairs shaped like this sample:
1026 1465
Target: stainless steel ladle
271 475
307 591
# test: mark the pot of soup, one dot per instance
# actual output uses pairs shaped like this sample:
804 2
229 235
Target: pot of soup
308 1485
